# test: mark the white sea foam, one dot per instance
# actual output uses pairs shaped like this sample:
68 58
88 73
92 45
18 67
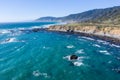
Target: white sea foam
17 33
4 31
46 26
78 63
81 51
101 41
96 45
104 52
113 45
107 43
88 38
81 39
10 32
21 28
81 58
67 57
24 29
38 73
11 40
70 46
104 42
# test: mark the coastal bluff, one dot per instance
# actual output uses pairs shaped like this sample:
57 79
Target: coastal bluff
111 32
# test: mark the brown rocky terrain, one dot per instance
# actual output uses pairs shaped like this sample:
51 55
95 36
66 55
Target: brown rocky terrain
110 31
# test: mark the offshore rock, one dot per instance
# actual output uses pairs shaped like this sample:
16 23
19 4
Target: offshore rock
73 57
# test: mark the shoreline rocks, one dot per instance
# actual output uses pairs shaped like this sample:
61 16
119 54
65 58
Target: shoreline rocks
65 30
90 31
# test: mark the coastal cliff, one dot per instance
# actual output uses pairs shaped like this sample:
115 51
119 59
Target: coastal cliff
112 31
103 23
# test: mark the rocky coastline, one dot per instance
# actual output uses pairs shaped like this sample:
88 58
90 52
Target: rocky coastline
109 34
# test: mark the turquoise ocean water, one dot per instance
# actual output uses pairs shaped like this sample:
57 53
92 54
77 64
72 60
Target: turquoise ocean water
27 55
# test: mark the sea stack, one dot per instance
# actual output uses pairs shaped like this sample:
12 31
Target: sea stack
73 57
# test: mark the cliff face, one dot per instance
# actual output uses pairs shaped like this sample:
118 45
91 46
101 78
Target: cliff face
102 31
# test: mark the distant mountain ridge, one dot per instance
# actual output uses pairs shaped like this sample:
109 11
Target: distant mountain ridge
107 15
48 18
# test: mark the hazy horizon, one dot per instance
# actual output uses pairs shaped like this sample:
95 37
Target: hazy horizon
26 10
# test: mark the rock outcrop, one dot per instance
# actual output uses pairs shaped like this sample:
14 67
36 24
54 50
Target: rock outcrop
73 57
113 32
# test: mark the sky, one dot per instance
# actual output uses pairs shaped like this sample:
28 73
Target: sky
23 10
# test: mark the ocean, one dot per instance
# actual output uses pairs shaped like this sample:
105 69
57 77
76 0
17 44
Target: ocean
43 55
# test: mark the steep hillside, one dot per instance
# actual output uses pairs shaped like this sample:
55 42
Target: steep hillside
107 15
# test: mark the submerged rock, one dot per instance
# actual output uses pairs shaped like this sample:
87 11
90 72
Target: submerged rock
73 57
36 29
7 40
117 70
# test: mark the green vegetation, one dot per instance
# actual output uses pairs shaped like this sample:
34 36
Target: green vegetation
99 16
93 24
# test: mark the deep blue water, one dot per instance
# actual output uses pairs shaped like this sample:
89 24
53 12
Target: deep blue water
44 55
